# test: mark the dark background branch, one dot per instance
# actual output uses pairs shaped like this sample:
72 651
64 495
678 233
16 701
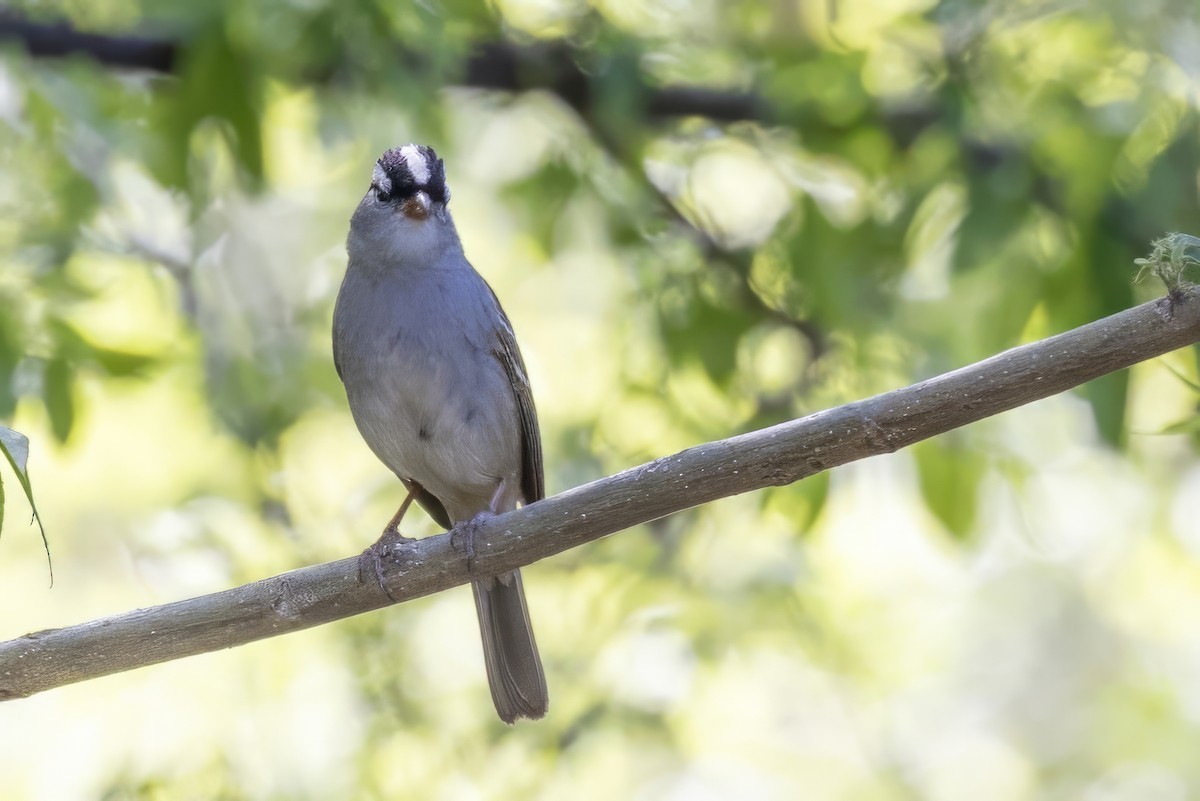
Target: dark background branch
491 65
773 456
60 39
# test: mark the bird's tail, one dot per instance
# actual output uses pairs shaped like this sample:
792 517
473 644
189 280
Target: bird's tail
514 668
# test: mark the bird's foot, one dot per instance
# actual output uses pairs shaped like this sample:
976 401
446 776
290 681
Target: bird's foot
462 538
389 544
391 535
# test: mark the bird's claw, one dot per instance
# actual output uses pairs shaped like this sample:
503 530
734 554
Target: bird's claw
462 537
389 544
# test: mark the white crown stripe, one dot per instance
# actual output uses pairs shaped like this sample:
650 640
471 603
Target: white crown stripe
417 165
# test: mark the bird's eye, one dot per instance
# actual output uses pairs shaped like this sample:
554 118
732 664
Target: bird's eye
380 195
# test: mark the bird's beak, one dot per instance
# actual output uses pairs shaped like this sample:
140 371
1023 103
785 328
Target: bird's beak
417 207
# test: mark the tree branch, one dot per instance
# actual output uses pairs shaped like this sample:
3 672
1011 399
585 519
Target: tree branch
490 65
770 457
60 39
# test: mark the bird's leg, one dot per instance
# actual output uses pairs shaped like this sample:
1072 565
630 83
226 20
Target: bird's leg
390 536
392 530
494 503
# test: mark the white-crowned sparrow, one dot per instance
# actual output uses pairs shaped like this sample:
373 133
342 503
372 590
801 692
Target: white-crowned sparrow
438 389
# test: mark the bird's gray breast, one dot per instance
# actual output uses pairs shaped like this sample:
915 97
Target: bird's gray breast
425 388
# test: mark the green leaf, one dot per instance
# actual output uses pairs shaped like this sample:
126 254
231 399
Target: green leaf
711 333
997 207
56 391
949 473
1189 382
216 79
122 363
543 195
15 446
801 502
1108 396
73 348
1189 425
1170 257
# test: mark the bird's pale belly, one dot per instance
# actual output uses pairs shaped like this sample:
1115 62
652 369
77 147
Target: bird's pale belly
457 450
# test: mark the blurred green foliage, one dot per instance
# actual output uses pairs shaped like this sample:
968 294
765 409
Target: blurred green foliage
993 614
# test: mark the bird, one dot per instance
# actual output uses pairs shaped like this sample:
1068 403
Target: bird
438 389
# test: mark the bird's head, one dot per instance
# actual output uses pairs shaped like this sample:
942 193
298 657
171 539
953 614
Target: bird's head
403 216
411 181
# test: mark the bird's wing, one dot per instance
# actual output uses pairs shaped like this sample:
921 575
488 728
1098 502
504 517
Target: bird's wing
533 483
